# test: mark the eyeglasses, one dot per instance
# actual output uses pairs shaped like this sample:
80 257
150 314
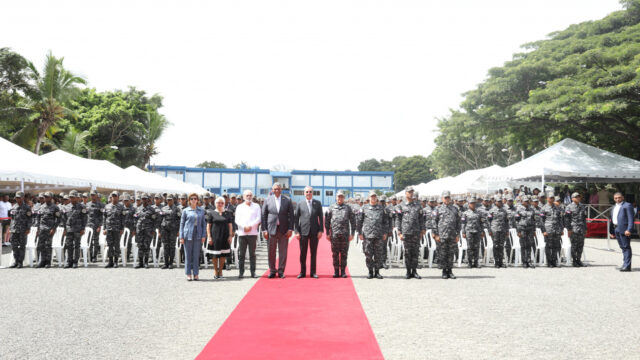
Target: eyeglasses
194 199
308 192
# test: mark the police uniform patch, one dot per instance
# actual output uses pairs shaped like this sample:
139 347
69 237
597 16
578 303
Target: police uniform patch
84 211
28 213
57 213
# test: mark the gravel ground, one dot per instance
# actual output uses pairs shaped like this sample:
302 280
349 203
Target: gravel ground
121 313
488 313
567 313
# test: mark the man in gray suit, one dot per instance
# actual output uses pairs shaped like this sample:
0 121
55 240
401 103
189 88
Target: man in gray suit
309 220
277 218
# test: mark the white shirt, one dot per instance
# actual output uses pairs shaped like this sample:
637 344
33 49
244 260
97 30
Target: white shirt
5 206
248 215
614 214
277 199
309 205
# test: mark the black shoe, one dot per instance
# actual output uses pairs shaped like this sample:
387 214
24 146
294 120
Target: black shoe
170 266
581 263
146 263
531 265
336 273
140 263
14 265
344 275
470 264
271 276
240 275
450 274
377 274
253 275
301 275
115 264
315 276
40 264
415 274
281 276
445 274
67 265
370 275
75 265
627 269
46 266
109 265
408 275
575 264
20 265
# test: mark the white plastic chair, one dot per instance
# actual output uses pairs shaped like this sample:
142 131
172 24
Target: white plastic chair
423 247
463 247
84 244
153 246
102 241
541 245
515 246
431 243
134 248
57 245
488 248
32 244
566 247
124 242
178 247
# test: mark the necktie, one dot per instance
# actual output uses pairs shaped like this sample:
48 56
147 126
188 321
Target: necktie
309 204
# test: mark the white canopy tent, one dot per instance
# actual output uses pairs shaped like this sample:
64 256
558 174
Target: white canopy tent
572 161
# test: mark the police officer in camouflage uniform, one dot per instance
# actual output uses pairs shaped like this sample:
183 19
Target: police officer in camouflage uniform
35 218
445 227
535 204
552 228
498 219
526 225
113 226
20 227
146 218
95 217
128 210
76 221
511 212
473 224
411 227
372 229
49 218
169 227
340 225
575 221
390 214
157 207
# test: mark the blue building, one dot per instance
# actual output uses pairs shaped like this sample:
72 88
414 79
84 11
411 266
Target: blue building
324 183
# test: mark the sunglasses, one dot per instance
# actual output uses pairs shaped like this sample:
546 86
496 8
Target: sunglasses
193 199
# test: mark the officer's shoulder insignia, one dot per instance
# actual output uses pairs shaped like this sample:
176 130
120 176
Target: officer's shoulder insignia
84 211
28 213
57 213
153 216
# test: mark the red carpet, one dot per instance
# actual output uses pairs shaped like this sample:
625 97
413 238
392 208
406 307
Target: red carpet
294 318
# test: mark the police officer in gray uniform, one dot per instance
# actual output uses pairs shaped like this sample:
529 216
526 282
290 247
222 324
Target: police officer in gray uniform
340 225
95 217
445 227
113 226
20 227
473 224
372 229
526 225
511 212
169 227
128 210
76 221
49 218
145 227
411 227
499 221
552 228
576 224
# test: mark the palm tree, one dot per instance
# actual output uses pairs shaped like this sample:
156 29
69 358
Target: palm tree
54 88
156 124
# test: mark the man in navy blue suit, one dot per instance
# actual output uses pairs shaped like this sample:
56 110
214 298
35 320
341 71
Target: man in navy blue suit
621 226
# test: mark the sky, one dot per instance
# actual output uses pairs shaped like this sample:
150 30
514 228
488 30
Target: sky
290 84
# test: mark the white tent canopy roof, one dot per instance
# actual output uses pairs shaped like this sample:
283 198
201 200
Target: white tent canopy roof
572 161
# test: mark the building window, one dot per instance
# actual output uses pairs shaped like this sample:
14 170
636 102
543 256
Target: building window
329 181
328 193
316 192
316 180
298 192
361 181
344 181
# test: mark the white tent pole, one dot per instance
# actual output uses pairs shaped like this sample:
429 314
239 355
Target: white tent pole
542 186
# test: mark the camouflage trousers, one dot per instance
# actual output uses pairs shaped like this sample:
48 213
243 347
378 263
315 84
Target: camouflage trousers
168 238
72 246
143 241
474 240
527 243
448 247
94 243
499 241
552 248
18 244
339 251
44 245
411 245
577 245
373 250
113 242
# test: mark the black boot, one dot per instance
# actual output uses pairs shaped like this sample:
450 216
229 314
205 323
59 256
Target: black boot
110 264
166 263
146 262
445 274
370 276
532 265
415 274
69 259
378 276
140 262
115 262
450 274
343 272
408 276
336 272
171 262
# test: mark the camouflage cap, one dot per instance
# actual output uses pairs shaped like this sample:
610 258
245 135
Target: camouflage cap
383 198
433 198
340 193
61 194
169 197
471 200
486 197
94 192
509 197
144 196
534 198
114 193
73 193
40 195
525 198
446 193
183 196
392 197
86 194
207 196
373 193
551 195
497 197
575 195
48 194
157 196
233 196
19 194
66 197
409 189
126 197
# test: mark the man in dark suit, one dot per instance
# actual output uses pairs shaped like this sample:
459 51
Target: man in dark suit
277 221
308 226
621 226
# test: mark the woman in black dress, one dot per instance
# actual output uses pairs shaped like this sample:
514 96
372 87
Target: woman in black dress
220 234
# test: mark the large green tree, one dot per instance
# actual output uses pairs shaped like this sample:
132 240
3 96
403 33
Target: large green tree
212 164
408 170
582 82
15 86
